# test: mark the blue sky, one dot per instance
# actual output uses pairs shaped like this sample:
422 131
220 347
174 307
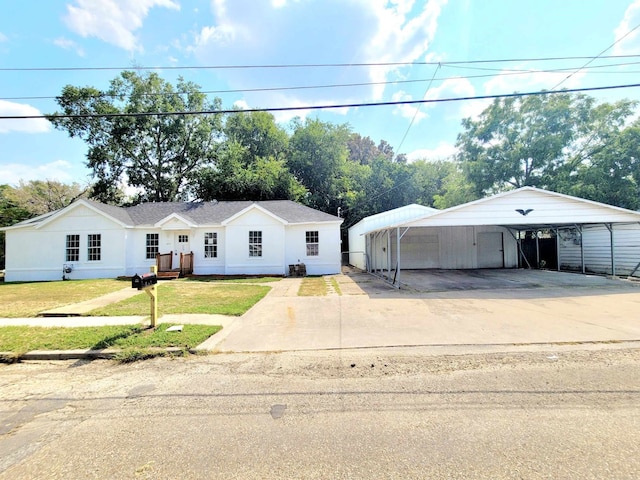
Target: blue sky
206 33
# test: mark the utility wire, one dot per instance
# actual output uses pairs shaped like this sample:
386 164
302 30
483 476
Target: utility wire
504 72
302 65
596 57
415 114
320 107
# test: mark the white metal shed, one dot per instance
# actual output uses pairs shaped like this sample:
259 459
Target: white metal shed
357 254
507 231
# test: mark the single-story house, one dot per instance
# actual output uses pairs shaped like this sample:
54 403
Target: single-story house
522 228
88 239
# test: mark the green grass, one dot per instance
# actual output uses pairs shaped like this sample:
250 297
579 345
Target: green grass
233 280
312 287
130 338
191 297
28 299
336 286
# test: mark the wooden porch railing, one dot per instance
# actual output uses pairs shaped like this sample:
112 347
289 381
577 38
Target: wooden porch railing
164 261
186 263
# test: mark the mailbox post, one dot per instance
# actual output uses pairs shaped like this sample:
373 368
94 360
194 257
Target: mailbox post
148 282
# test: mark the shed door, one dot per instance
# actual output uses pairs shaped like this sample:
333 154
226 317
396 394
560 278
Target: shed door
490 250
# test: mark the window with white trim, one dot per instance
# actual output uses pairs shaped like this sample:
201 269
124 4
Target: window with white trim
312 239
73 248
255 243
153 242
94 247
210 245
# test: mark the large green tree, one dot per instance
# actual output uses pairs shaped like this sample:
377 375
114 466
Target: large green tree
42 196
250 163
158 154
317 157
563 142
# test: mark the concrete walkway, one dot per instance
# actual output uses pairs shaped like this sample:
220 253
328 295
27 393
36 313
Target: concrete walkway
82 308
364 312
370 314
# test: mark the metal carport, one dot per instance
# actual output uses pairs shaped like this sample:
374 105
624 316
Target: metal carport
456 231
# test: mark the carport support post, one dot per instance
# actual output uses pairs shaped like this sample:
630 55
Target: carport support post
153 293
389 254
537 251
581 248
613 262
558 248
398 237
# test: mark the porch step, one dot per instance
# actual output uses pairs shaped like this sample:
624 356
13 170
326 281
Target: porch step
168 275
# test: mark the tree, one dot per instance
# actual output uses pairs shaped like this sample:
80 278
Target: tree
251 162
42 196
10 213
159 154
554 141
317 158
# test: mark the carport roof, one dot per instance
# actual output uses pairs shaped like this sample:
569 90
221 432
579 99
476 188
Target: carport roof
525 208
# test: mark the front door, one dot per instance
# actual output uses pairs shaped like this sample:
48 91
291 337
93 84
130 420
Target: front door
182 244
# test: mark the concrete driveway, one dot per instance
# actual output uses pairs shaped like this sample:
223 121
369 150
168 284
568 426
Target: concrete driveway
505 307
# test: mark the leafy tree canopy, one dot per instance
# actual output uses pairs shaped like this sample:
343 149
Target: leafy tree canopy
158 154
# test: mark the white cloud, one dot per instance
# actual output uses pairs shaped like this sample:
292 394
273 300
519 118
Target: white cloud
29 125
400 36
443 151
628 43
60 170
67 44
509 82
407 111
241 104
113 21
3 37
333 31
455 88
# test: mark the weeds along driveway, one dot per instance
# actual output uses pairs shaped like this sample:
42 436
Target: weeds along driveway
369 313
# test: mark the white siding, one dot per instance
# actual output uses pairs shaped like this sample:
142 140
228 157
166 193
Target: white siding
381 220
328 259
39 254
208 266
438 247
597 249
546 208
237 259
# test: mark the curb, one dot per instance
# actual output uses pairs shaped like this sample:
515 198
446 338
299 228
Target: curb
104 354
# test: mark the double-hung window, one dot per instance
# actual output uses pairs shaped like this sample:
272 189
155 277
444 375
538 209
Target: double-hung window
210 245
153 241
255 243
94 247
73 248
312 239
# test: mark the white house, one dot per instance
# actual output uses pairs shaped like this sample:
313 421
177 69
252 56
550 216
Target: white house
527 227
93 240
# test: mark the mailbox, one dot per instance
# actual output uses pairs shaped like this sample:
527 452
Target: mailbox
143 281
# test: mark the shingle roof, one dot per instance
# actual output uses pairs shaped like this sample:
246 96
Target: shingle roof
203 213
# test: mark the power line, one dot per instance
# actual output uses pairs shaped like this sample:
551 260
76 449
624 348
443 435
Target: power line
596 57
321 107
302 65
504 72
415 114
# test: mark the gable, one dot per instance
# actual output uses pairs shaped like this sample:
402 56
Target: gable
544 208
254 216
79 217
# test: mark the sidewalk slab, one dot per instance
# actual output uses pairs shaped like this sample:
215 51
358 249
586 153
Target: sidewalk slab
81 308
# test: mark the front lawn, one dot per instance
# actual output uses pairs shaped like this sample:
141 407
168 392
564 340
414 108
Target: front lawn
22 339
191 297
28 299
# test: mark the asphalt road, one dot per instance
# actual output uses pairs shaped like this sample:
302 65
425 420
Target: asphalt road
394 413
